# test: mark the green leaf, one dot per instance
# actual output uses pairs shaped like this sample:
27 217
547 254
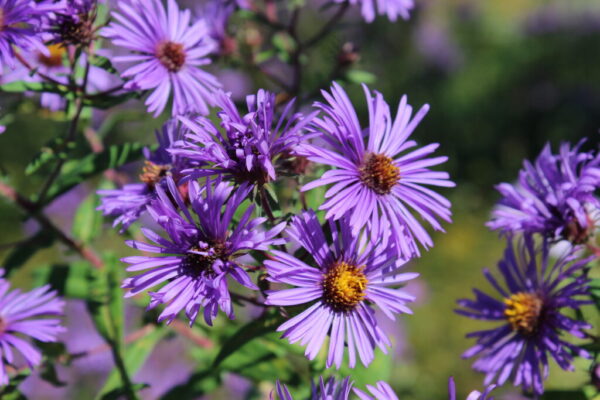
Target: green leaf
105 101
48 373
199 384
11 391
22 86
24 251
53 150
121 393
136 355
357 76
76 171
69 280
104 63
87 223
252 330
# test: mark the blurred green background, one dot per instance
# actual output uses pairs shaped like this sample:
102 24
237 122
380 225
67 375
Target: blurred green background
502 77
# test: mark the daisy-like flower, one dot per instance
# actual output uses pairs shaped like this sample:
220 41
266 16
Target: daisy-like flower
474 395
529 312
555 196
391 8
249 146
167 52
130 201
201 251
380 181
331 389
347 278
19 20
72 24
26 314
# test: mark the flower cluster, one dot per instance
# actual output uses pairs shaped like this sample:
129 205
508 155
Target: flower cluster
554 200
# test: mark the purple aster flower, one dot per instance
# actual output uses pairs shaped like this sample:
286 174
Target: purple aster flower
474 395
30 314
130 201
392 8
73 23
350 275
249 146
167 53
18 27
201 251
554 197
529 313
331 389
380 181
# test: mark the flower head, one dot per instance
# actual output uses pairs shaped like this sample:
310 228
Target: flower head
554 197
167 52
391 8
201 251
377 183
532 325
347 277
73 23
249 146
130 201
31 314
19 20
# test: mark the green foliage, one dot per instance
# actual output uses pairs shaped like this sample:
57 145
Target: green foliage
76 171
87 224
55 149
27 249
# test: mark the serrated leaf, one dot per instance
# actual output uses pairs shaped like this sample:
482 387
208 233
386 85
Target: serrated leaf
136 355
76 171
252 330
24 251
87 223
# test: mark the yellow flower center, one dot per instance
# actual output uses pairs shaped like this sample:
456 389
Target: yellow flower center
55 58
523 312
344 286
153 173
379 173
171 55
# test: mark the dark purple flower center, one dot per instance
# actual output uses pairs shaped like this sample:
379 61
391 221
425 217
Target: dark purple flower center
379 173
77 30
171 55
577 234
344 286
197 265
153 173
523 312
55 58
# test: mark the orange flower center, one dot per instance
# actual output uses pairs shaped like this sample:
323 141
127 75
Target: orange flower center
344 286
523 311
379 173
153 173
171 55
55 58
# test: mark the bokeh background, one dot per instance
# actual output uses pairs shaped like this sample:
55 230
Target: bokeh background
502 78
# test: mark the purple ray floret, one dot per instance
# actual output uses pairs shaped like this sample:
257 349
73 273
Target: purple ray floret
130 201
330 389
167 53
474 395
200 252
390 8
248 146
346 278
379 180
555 196
532 326
33 314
